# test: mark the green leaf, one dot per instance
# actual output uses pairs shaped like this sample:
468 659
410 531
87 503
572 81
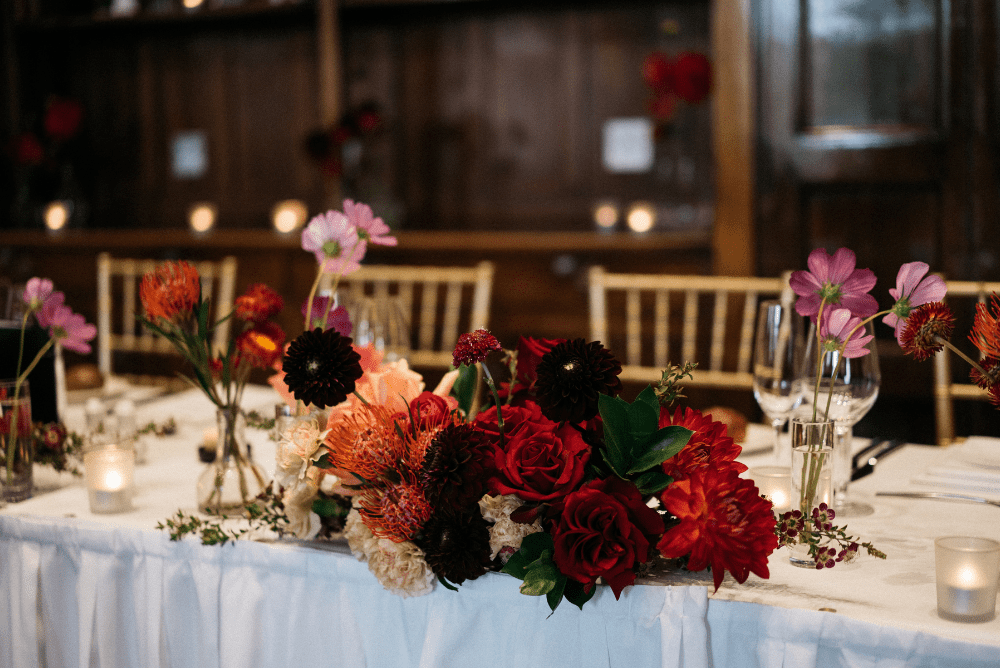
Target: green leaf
517 565
659 447
324 461
555 595
534 544
541 578
648 397
328 508
576 594
653 481
642 421
446 584
464 388
617 445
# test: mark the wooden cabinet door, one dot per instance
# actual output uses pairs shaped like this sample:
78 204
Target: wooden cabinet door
877 130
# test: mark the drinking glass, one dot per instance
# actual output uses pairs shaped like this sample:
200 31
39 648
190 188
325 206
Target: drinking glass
852 393
775 367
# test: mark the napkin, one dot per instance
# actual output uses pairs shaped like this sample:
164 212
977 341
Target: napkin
972 466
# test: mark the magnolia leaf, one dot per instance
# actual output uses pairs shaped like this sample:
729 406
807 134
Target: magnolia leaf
465 388
659 447
541 577
617 439
554 597
517 565
653 481
642 420
648 397
576 593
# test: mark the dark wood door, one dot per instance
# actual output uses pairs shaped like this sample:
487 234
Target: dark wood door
877 130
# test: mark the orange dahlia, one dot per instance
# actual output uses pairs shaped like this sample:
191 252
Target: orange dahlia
261 345
708 447
723 523
170 292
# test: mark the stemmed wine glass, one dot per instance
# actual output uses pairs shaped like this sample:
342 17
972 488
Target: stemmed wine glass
851 395
776 386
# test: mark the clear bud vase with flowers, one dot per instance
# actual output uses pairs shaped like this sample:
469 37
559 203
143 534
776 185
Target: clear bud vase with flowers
174 308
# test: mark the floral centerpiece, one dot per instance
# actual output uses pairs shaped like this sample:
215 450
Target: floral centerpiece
47 307
174 308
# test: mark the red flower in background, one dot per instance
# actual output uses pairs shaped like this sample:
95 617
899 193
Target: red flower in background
604 531
708 447
62 118
172 290
692 77
259 303
474 346
724 523
28 151
658 71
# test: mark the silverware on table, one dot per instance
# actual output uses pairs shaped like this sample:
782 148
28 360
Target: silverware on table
944 496
871 456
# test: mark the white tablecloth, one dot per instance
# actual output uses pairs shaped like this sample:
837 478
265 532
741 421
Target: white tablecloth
112 591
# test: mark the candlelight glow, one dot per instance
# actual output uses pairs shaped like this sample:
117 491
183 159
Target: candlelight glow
288 215
202 217
56 216
967 576
113 480
641 217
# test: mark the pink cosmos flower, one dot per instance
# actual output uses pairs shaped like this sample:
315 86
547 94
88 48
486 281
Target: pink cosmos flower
335 242
71 329
47 311
369 227
836 329
912 289
36 292
834 279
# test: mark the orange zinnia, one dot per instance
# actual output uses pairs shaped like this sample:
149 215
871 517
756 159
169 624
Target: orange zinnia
172 290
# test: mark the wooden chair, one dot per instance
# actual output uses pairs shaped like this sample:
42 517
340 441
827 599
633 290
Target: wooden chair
437 304
676 319
946 391
122 276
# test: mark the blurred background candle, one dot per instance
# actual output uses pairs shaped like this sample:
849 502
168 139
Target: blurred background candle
968 570
109 474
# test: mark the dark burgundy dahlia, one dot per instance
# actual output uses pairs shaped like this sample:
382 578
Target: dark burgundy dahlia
456 545
321 367
572 375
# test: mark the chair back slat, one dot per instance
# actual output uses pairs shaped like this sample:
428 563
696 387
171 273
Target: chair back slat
662 315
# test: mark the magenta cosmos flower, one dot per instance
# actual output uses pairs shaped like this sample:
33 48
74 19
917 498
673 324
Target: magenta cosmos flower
912 289
836 330
834 279
335 242
71 330
369 227
36 292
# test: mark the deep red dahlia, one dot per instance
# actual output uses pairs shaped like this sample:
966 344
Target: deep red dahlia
474 346
258 304
724 523
709 445
926 329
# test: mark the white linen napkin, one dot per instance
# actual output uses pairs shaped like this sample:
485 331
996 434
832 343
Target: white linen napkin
973 466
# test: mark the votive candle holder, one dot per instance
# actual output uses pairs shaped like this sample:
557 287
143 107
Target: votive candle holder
967 575
109 471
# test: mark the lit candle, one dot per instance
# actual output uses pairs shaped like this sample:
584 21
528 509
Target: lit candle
109 474
967 571
775 483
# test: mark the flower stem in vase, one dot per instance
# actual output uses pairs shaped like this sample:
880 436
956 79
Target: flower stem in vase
233 479
812 445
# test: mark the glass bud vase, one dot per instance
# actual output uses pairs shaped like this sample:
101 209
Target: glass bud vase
812 466
17 450
233 479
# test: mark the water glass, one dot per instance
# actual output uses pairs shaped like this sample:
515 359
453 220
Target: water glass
777 348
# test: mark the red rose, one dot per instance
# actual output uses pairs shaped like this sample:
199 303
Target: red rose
529 353
539 460
429 409
724 523
605 530
692 77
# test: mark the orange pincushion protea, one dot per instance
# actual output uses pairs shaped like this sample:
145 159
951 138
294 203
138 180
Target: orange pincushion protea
397 512
986 328
171 292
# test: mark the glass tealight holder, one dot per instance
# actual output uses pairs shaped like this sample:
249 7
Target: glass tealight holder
967 574
109 470
774 482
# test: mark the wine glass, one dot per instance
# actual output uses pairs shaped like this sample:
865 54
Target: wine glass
776 386
379 321
852 393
